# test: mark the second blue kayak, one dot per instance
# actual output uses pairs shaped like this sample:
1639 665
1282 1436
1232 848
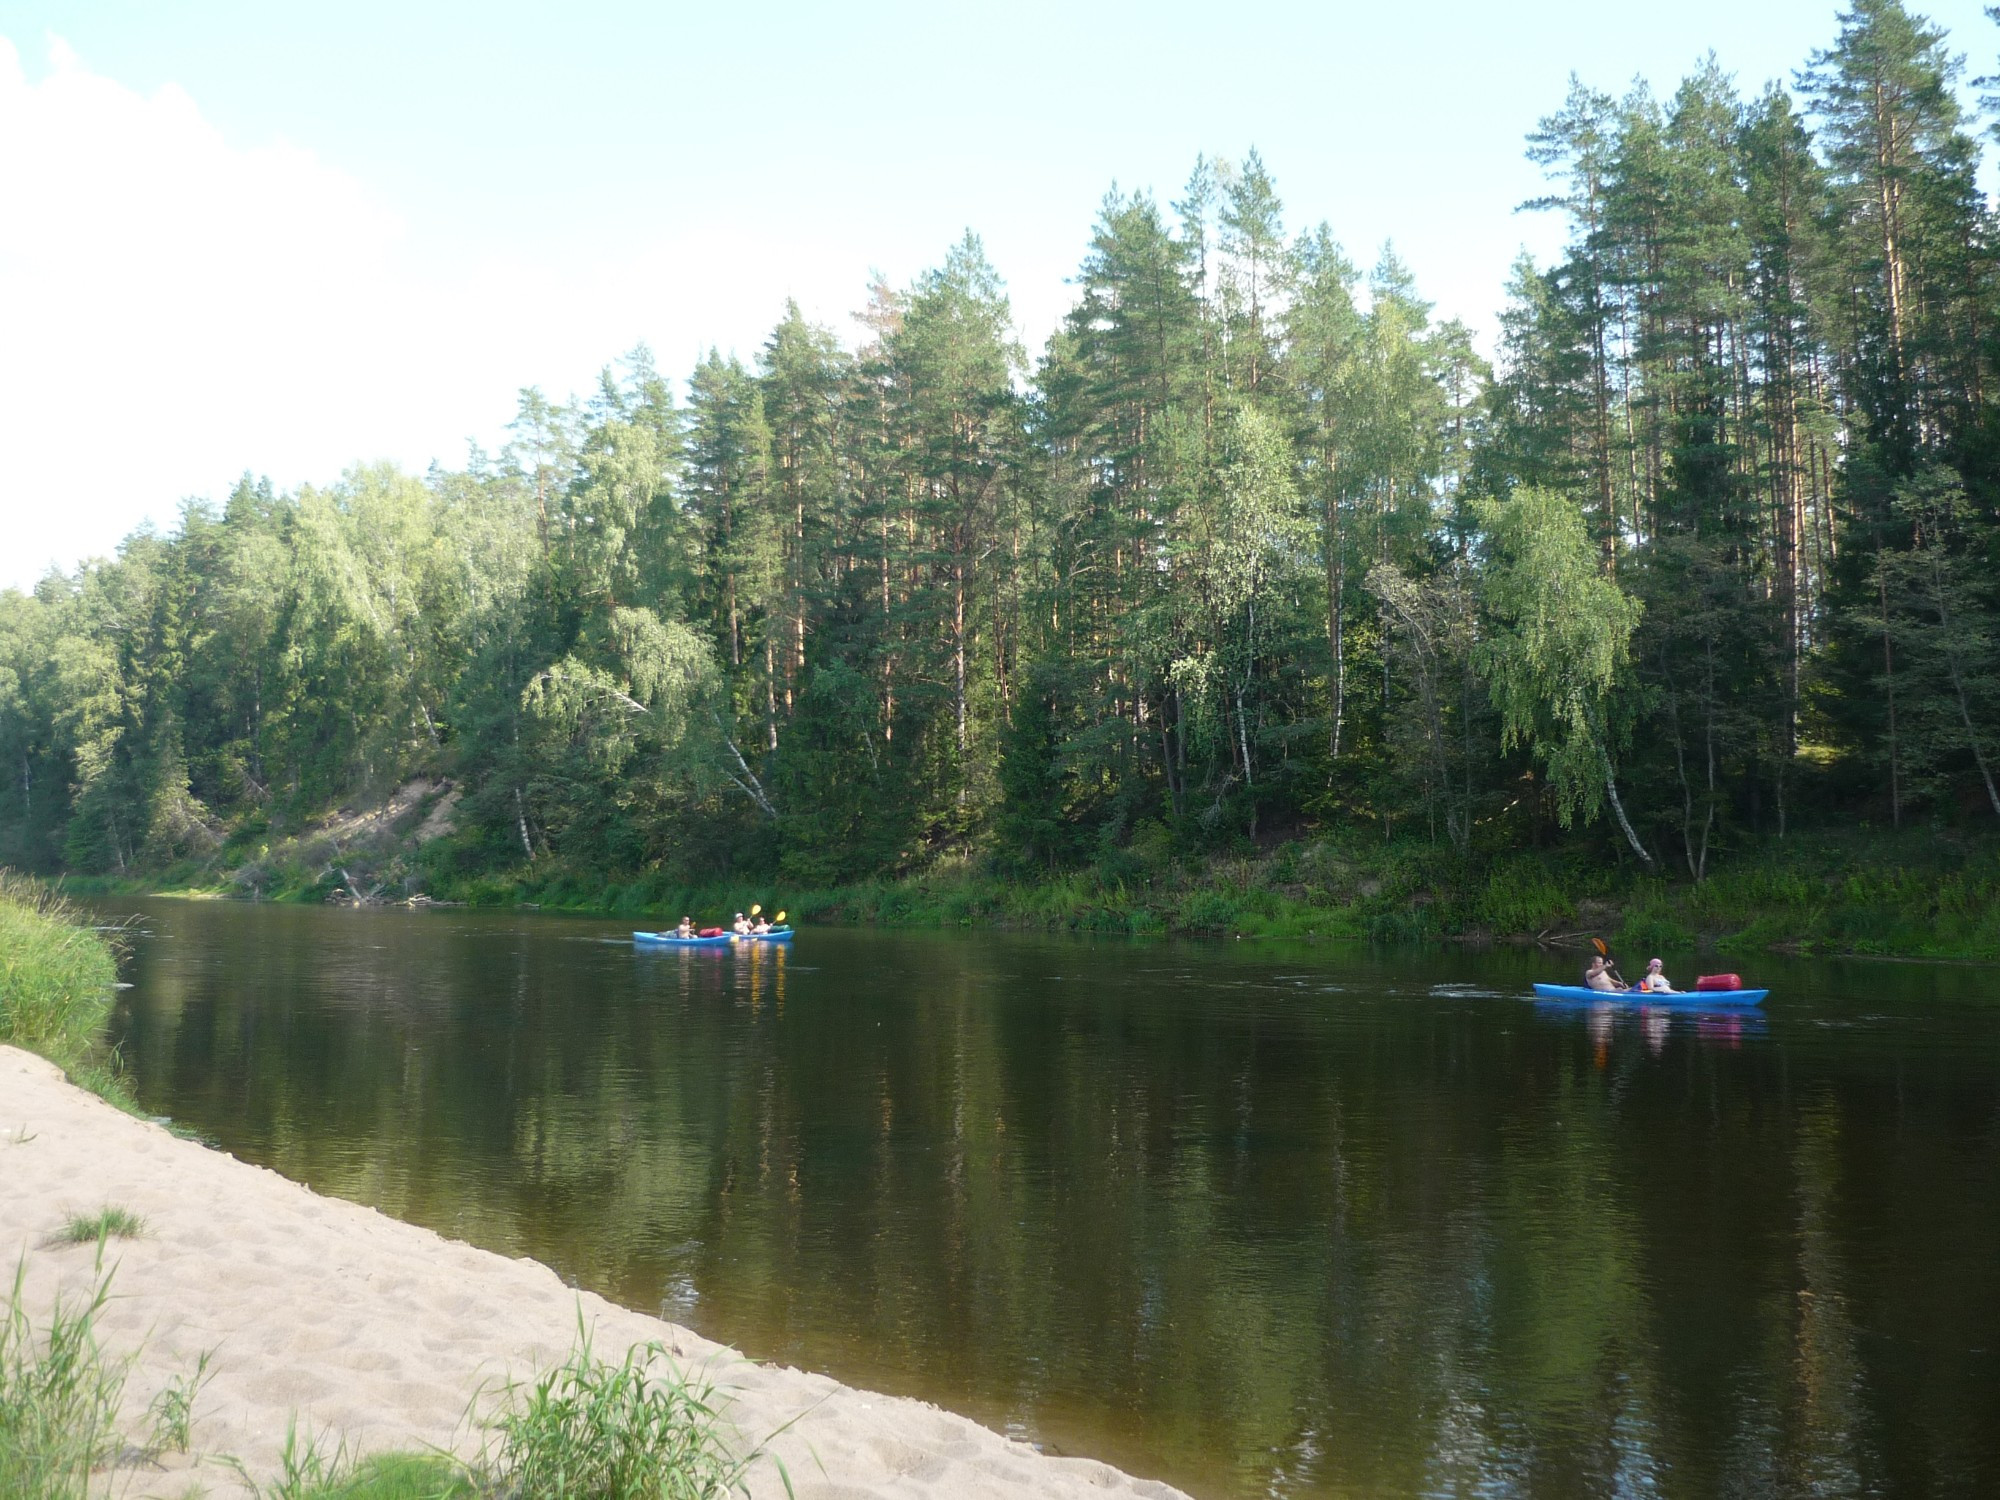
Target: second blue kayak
720 940
1640 997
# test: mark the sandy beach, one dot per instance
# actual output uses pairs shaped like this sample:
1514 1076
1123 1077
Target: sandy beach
384 1334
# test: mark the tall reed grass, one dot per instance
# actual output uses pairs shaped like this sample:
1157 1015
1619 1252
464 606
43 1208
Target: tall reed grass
641 1429
59 1395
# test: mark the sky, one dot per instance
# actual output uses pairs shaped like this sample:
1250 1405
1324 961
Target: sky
285 239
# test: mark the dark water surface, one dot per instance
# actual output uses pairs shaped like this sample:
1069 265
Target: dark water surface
1313 1221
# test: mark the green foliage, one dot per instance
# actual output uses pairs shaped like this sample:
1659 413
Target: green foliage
1040 818
1208 912
1563 631
1651 929
1525 895
838 783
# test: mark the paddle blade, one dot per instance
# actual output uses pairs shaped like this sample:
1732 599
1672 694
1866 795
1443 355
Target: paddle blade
777 919
1602 951
755 908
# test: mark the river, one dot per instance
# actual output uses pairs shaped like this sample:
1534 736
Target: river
1298 1221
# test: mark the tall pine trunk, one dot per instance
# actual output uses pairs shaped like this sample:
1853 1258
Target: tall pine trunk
1889 680
1336 604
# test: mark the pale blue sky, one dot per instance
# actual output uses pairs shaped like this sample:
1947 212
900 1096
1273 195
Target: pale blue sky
293 237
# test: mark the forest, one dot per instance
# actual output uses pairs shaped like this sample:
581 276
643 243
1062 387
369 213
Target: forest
1254 549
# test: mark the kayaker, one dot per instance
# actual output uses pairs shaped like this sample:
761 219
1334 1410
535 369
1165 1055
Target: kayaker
763 926
1656 981
686 929
742 927
1598 975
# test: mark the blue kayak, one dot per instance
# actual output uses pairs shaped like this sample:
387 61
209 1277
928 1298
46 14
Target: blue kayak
721 940
1697 998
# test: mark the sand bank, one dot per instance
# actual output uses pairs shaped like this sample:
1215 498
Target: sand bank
383 1333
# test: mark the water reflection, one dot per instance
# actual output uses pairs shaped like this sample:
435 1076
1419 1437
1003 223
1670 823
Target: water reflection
1722 1026
1318 1223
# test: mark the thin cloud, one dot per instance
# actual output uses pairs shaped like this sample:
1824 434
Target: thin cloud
167 296
180 308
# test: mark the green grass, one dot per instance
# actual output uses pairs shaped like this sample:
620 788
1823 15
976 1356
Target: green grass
393 1476
56 976
109 1222
59 1396
641 1429
310 1467
172 1410
56 982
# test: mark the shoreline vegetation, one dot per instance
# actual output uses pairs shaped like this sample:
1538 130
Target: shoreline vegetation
1919 894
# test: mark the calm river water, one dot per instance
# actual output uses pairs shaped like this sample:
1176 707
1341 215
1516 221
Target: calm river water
1304 1221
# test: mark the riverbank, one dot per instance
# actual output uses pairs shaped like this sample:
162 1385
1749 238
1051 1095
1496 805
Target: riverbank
1918 894
1930 893
325 1314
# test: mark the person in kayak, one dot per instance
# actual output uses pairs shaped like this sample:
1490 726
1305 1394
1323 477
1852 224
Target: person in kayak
686 929
1656 981
742 926
1599 975
761 926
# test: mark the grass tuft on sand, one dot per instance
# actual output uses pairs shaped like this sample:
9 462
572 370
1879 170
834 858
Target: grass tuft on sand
639 1428
109 1222
313 1467
395 1476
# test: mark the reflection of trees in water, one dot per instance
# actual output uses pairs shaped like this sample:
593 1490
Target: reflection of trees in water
1822 1427
1253 1241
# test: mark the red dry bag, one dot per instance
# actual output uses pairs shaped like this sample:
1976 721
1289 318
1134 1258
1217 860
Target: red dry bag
1719 982
710 932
